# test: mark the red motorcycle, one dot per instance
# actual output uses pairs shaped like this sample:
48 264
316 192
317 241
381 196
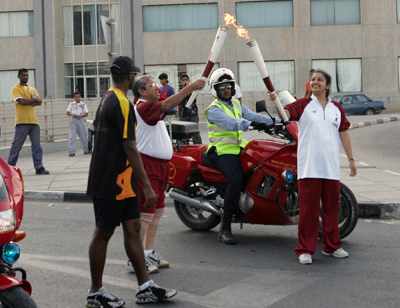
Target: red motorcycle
14 292
269 193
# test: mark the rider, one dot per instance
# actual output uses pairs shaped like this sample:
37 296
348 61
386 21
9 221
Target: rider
227 118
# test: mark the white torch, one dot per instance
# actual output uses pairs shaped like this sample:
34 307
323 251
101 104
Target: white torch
212 58
259 62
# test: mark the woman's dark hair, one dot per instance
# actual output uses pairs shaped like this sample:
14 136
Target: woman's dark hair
77 92
328 79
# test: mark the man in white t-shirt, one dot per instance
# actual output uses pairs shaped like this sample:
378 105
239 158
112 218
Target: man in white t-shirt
238 93
155 149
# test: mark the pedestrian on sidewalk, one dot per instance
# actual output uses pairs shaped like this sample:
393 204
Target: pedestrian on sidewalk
26 98
114 168
322 127
77 110
155 149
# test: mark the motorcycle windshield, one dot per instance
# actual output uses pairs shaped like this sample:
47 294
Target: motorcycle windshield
3 190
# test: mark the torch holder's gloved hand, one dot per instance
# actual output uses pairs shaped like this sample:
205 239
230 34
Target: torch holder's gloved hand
261 127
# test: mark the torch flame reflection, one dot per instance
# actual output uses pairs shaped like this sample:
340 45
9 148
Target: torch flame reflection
240 30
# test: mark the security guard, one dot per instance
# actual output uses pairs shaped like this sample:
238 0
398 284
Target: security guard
227 118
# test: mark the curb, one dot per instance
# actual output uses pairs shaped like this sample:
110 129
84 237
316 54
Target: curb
373 122
388 210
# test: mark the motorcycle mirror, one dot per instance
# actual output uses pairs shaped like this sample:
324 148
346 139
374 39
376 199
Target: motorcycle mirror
261 106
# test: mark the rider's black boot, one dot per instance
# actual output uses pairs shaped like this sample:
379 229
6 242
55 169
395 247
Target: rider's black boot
225 233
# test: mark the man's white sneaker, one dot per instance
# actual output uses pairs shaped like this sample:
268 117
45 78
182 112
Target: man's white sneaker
340 253
149 267
305 258
157 260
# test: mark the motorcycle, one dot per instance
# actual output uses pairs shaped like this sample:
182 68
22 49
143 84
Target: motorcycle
14 292
269 195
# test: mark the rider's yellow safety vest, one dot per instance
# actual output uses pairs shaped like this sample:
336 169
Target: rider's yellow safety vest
226 141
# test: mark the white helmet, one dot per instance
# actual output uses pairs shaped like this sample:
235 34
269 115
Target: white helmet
221 75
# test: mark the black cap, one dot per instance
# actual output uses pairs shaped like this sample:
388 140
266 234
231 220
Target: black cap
123 65
163 76
183 76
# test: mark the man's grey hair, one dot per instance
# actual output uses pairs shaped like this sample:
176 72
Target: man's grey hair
140 83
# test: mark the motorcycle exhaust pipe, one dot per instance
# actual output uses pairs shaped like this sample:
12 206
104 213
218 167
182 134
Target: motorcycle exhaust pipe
204 205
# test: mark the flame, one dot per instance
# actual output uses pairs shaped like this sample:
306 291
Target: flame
240 30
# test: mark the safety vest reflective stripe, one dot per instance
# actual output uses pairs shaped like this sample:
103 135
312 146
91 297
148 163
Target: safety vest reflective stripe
226 142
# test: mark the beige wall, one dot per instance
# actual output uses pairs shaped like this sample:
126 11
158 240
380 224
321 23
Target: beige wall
375 41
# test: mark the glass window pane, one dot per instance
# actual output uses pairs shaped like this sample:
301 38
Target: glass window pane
89 25
102 10
116 14
104 85
91 87
69 87
4 24
335 12
78 69
9 79
80 86
68 69
180 17
20 24
67 25
104 68
90 68
265 14
77 11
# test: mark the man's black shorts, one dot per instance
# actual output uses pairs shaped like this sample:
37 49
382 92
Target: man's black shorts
110 213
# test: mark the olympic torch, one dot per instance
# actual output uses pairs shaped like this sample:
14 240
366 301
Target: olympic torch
260 64
212 58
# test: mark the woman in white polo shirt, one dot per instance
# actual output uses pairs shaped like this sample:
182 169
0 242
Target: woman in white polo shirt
322 127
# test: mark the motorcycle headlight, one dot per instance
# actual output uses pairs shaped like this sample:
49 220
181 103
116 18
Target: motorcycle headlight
288 176
11 252
7 220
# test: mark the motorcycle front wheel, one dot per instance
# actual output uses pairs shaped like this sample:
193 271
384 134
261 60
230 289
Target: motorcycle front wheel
16 297
196 219
348 212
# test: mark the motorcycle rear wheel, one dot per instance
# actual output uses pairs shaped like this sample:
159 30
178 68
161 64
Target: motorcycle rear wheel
196 219
348 213
16 297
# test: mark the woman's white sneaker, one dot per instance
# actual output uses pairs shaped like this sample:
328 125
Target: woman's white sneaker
340 253
305 258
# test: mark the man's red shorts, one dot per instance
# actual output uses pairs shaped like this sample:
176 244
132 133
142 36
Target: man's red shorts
157 171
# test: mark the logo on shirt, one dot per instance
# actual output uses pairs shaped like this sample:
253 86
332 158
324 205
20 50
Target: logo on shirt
335 122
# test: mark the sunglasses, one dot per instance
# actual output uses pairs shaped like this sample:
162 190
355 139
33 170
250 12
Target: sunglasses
222 88
153 84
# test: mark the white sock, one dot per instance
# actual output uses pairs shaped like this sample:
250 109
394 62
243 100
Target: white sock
147 252
145 285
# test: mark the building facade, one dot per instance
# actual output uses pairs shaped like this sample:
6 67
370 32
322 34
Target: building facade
63 42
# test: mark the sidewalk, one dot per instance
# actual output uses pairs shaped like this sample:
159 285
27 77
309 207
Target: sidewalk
377 191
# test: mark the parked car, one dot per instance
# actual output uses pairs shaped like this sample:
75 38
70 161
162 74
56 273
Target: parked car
359 104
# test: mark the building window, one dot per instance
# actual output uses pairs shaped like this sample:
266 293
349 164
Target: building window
16 24
180 17
91 79
346 73
174 72
281 73
9 79
265 14
398 10
335 12
82 23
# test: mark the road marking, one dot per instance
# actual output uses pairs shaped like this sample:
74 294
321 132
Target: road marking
382 221
392 172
